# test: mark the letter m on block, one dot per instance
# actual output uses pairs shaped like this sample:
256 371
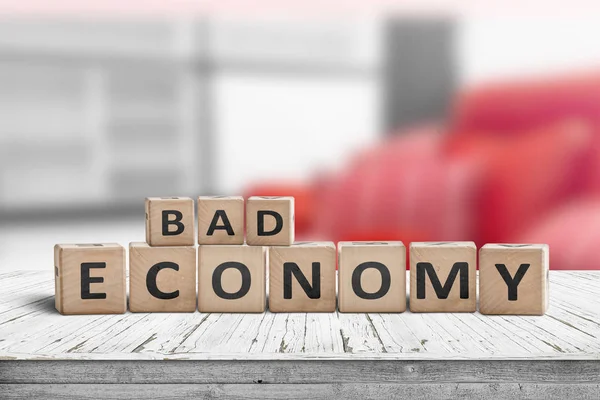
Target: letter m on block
442 292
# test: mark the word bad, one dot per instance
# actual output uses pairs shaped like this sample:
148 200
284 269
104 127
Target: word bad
230 276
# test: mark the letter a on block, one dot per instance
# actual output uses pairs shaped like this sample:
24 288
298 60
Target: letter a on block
89 278
220 220
513 279
270 221
442 277
302 277
170 221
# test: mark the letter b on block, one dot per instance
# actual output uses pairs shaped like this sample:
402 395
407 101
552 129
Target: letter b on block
442 277
170 221
270 221
302 277
372 277
513 279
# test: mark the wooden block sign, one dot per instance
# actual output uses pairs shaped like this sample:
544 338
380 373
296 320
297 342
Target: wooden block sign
513 279
162 279
270 221
442 277
170 221
89 278
220 220
302 277
231 278
372 277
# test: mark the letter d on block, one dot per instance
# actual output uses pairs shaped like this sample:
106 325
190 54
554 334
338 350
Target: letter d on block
270 221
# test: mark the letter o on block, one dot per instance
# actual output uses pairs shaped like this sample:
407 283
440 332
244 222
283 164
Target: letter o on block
372 277
231 278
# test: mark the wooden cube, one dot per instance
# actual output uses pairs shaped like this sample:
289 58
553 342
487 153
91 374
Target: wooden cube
231 278
90 278
302 277
220 220
270 221
513 279
170 221
443 277
372 277
162 279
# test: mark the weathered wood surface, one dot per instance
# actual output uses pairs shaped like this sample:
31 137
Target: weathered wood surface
31 329
317 391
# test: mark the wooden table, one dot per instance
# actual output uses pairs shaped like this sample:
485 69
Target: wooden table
178 356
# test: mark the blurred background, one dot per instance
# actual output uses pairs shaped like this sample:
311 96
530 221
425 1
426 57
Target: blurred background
382 125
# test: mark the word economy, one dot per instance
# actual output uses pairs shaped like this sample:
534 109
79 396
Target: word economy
240 240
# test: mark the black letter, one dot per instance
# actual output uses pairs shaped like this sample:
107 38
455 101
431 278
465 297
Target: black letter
443 292
166 222
86 280
226 225
385 280
313 292
246 280
512 283
151 280
261 223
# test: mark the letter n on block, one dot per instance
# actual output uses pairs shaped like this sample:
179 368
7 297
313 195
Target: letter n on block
513 279
162 279
231 278
170 221
372 277
442 277
90 278
302 277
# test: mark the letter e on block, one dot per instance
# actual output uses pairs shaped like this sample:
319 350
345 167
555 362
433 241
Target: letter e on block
162 279
270 221
513 279
170 221
231 278
220 220
302 277
372 277
89 278
442 277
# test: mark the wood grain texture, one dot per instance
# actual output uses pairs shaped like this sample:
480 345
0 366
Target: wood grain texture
225 214
309 258
530 296
443 257
262 230
31 329
89 278
327 391
240 272
176 280
387 286
170 235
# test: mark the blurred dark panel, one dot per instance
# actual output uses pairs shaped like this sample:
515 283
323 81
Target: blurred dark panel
419 74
